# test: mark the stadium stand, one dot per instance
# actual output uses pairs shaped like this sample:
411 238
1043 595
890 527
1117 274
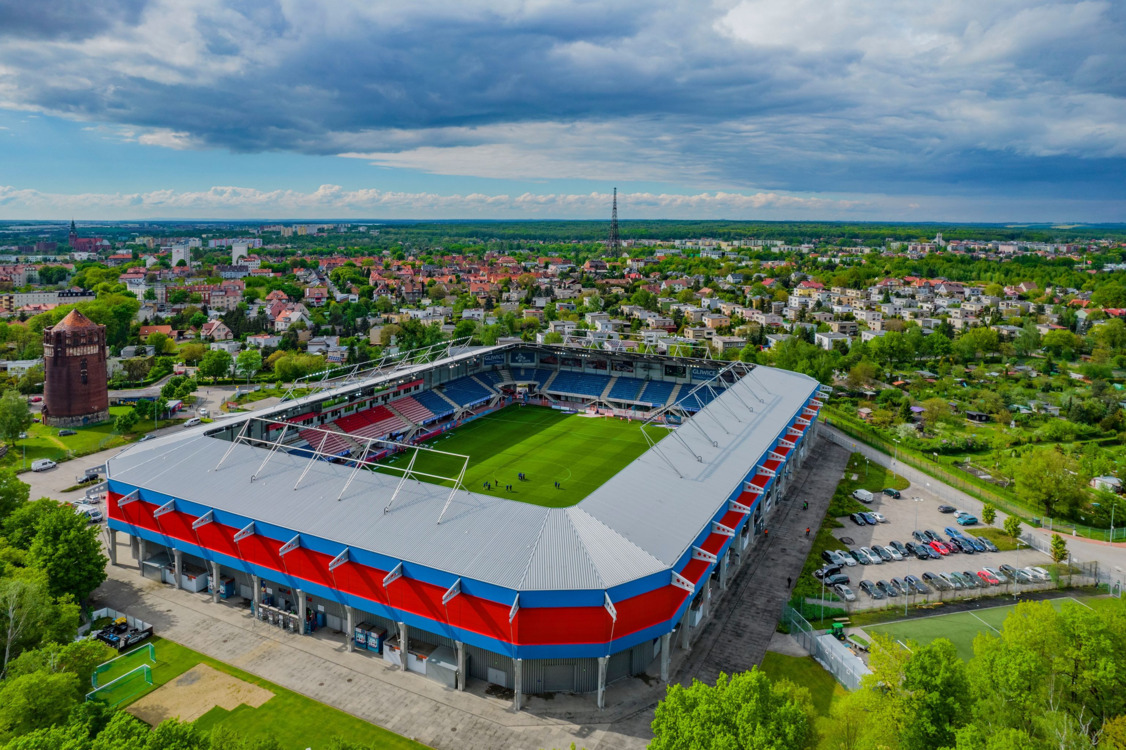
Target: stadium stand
492 378
466 392
372 423
579 384
656 392
696 400
333 443
412 410
437 405
626 389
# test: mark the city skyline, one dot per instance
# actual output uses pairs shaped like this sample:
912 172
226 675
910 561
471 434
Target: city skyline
757 109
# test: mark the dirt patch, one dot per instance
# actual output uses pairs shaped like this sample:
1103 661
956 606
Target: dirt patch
196 692
786 644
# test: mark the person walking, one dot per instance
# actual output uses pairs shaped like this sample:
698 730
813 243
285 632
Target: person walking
788 581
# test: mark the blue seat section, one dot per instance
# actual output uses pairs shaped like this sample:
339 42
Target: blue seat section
626 389
656 392
696 400
467 392
492 377
435 403
526 374
580 384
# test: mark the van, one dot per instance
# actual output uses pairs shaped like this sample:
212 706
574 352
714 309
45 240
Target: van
92 514
193 422
203 412
863 496
42 464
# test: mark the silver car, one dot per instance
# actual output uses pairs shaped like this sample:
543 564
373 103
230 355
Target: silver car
844 592
844 558
873 558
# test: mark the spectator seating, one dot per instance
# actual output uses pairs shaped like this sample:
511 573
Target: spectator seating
412 410
626 389
334 443
491 378
372 423
579 384
697 400
657 392
437 405
466 392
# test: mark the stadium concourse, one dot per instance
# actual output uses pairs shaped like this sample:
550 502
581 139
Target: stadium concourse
322 512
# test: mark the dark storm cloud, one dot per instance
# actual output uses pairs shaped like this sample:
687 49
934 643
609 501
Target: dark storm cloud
65 19
882 96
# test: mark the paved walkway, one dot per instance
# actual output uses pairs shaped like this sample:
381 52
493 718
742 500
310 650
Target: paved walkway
739 634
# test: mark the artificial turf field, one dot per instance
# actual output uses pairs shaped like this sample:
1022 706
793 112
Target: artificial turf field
548 446
960 628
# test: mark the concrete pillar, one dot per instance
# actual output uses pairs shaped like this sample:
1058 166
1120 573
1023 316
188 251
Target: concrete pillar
111 545
256 591
178 566
666 655
216 582
684 628
517 684
141 555
603 661
350 628
707 597
301 604
133 547
723 571
404 642
461 674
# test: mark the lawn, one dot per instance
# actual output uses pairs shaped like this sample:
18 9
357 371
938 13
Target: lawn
44 442
959 627
823 689
296 721
546 445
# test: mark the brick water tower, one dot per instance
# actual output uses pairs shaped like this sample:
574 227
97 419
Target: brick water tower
74 363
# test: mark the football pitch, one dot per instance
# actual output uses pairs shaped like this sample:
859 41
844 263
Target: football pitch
960 628
546 445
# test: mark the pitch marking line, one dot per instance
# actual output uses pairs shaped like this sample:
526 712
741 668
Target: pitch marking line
983 622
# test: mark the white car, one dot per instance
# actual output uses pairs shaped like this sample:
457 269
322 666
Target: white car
193 422
1038 573
879 517
42 464
895 556
844 558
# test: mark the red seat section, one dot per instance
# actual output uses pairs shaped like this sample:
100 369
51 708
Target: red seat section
412 410
326 441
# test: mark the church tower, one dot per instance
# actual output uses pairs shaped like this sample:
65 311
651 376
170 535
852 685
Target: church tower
73 237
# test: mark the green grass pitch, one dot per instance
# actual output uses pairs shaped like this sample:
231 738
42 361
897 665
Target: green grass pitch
960 628
548 446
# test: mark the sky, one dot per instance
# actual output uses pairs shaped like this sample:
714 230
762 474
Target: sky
868 110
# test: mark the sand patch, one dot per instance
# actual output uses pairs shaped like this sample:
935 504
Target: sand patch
196 692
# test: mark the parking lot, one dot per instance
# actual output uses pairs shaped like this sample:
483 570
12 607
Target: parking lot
906 515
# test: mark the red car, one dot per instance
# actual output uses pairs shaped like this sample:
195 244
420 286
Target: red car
940 547
36 399
988 577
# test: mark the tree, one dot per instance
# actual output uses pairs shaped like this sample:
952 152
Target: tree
137 368
861 374
988 514
1059 548
13 492
1012 526
553 337
159 342
66 547
78 657
192 353
1047 478
126 422
215 364
34 701
746 710
935 410
15 416
30 617
249 362
32 380
939 693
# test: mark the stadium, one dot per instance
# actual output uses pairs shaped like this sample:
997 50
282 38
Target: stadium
544 519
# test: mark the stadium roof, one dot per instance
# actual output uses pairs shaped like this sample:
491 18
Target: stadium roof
639 522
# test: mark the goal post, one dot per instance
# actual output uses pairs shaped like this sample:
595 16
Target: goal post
124 688
123 664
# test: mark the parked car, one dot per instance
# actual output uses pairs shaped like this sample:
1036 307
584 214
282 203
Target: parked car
940 548
988 577
1020 575
901 584
844 592
64 433
939 583
946 509
193 422
92 514
896 555
870 589
870 519
1008 570
989 546
932 535
884 553
967 520
951 531
916 549
891 493
1039 573
837 579
873 558
827 570
42 464
36 399
977 544
863 496
889 589
996 573
844 557
879 517
963 545
920 537
916 584
858 519
954 582
899 547
970 582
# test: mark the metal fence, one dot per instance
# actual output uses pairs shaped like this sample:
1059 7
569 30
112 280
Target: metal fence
834 656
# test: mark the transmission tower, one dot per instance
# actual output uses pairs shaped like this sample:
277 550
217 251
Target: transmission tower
615 238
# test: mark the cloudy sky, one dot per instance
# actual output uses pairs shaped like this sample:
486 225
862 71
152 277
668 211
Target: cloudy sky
1002 110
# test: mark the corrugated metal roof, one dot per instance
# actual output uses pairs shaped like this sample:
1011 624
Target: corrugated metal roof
638 523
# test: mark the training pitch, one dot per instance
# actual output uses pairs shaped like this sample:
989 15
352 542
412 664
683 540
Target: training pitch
960 628
548 446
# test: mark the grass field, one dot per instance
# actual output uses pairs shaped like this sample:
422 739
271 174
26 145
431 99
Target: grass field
296 721
960 628
548 446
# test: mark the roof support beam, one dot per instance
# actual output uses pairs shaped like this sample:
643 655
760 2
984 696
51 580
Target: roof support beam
206 518
168 507
609 605
719 528
269 455
513 609
740 508
766 471
126 499
683 583
703 554
246 532
338 560
289 546
451 592
393 576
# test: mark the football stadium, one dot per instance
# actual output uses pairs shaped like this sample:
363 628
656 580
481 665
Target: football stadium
543 519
